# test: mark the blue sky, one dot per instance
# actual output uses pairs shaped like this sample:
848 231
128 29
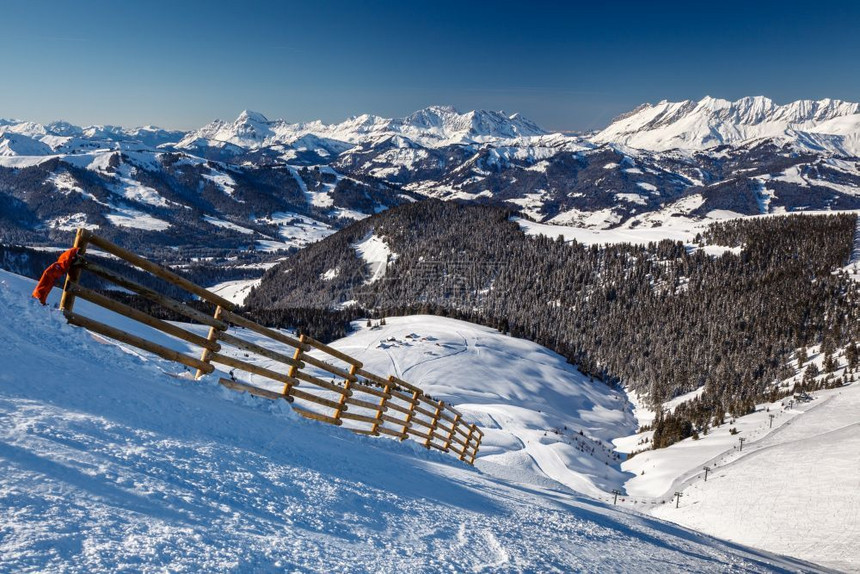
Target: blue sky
566 65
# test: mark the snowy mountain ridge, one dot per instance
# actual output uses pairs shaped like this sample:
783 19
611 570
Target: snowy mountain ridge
62 136
710 122
686 125
434 126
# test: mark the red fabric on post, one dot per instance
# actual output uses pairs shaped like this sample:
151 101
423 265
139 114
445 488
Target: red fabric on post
67 258
53 273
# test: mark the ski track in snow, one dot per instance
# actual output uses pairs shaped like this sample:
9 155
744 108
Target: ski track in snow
794 490
425 361
109 464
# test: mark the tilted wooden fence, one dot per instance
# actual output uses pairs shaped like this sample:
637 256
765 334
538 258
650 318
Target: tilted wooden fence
335 389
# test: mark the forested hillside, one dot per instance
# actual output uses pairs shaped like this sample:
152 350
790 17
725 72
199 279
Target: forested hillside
662 318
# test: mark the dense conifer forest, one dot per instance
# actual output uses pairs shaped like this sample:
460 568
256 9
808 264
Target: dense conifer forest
662 318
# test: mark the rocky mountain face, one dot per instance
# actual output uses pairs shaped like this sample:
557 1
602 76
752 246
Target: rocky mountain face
259 186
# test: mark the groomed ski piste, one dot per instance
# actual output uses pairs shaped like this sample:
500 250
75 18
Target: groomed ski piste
111 460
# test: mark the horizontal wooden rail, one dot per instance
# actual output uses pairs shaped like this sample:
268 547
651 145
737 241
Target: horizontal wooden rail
351 400
417 433
403 396
372 377
317 417
251 368
456 447
154 296
371 391
443 428
437 446
246 323
404 384
157 270
391 406
360 418
398 408
459 441
393 420
423 423
333 352
141 317
250 389
135 341
424 412
311 398
445 416
329 368
324 384
254 348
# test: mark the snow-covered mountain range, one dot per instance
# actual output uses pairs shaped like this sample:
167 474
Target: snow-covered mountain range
436 126
268 184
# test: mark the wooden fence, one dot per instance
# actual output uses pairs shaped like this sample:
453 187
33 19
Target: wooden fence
334 389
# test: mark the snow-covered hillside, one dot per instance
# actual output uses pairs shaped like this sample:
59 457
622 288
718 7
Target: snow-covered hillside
793 490
782 478
109 463
535 409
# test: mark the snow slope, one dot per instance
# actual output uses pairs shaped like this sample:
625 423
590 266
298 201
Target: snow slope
663 225
793 489
235 291
109 463
376 255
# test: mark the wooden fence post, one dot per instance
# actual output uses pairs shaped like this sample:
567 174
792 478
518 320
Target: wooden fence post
477 446
439 407
341 403
387 392
453 430
213 336
468 442
67 300
297 357
412 403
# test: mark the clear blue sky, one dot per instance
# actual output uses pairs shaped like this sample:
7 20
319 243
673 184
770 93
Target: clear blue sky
566 65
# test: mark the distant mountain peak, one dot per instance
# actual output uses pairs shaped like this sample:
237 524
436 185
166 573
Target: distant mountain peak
251 116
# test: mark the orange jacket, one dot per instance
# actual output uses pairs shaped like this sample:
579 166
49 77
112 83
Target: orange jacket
53 273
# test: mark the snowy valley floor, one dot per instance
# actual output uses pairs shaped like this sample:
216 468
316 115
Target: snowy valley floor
109 464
